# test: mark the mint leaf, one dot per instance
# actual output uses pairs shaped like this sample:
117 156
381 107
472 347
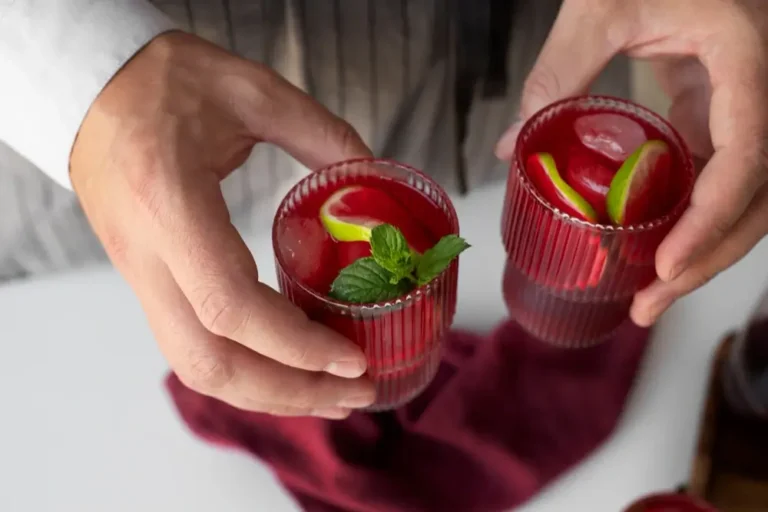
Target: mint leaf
437 259
365 281
391 251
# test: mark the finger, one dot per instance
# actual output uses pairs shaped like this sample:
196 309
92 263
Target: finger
284 115
650 303
575 52
225 370
570 60
217 274
331 413
690 116
505 148
260 380
739 166
720 196
686 82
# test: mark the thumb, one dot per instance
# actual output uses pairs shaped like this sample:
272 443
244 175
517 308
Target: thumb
291 119
576 51
218 276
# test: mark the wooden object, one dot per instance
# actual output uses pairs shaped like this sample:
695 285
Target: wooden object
730 467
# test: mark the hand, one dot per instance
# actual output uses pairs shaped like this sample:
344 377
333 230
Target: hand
147 163
711 57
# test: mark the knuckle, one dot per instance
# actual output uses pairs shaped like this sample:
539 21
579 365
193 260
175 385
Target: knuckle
753 145
715 216
306 394
251 92
618 33
343 135
252 88
298 398
610 19
115 244
144 184
301 354
721 225
542 83
207 372
222 314
698 278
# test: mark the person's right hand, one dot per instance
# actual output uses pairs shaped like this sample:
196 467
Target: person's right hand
146 166
711 57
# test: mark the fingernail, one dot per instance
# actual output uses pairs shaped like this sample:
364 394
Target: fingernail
677 270
332 413
357 402
350 369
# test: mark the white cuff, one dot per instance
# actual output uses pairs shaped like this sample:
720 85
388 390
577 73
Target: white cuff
55 58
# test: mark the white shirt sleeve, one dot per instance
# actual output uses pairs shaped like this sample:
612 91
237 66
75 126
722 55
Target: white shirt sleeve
55 58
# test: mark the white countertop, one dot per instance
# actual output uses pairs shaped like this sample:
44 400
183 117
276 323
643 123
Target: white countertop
86 425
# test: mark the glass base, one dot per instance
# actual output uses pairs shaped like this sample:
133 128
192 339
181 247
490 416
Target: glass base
564 322
400 387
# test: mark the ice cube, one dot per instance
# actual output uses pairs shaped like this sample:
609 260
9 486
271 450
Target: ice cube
612 135
307 251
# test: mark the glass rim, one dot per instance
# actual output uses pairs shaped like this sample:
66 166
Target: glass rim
670 497
688 167
384 306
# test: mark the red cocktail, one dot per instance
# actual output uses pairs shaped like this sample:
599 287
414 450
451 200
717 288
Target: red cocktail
316 234
595 185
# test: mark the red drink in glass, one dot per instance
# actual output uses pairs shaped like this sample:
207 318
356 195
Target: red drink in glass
568 281
401 338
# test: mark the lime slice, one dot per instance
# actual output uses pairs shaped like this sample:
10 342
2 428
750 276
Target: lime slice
543 172
340 223
352 212
629 198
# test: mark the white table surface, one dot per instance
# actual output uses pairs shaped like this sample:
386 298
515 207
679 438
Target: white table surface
87 427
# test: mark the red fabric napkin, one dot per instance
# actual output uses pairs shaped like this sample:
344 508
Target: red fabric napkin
505 415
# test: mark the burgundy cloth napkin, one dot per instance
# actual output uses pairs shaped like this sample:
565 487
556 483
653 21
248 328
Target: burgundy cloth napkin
505 415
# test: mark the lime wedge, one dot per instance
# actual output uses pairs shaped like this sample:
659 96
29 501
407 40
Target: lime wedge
542 170
632 189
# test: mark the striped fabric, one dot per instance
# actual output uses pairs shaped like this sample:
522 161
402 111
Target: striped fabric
387 66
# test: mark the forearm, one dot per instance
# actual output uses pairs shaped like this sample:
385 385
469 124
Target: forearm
55 58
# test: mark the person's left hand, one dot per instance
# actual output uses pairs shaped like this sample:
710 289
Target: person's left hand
711 57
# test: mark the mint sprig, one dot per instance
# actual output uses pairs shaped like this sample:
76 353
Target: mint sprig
391 251
393 269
